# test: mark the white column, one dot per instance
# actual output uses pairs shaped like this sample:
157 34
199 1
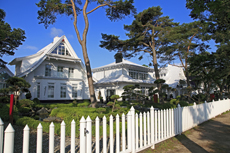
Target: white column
89 134
9 139
132 110
97 133
39 138
82 135
117 134
51 138
73 130
104 135
26 139
1 134
123 133
111 133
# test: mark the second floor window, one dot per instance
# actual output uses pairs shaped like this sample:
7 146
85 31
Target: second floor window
48 70
71 72
135 74
61 50
60 71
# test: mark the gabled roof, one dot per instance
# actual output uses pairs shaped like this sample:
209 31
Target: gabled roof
31 62
124 63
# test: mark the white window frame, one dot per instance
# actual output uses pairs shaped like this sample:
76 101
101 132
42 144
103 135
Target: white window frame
38 89
51 91
48 69
63 90
74 91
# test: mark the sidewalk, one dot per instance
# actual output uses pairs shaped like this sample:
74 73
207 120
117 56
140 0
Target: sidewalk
211 136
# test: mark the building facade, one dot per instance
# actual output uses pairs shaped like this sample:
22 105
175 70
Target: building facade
55 72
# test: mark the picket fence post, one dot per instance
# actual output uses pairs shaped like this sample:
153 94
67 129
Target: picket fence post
129 130
148 125
1 134
104 136
9 139
82 135
51 138
97 130
73 130
123 133
179 120
141 131
144 114
62 143
195 114
132 110
111 133
137 133
89 134
152 127
117 134
39 138
26 138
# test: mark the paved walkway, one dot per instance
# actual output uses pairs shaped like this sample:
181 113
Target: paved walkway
211 136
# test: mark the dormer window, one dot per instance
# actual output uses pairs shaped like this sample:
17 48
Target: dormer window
61 50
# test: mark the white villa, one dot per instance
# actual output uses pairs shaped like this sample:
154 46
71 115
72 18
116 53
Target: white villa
110 79
55 72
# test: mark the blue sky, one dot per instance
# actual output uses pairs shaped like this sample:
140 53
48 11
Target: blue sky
23 14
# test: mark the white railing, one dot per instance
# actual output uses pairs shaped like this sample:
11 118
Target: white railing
142 131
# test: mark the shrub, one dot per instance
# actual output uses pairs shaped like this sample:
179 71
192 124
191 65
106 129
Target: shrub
174 101
75 102
28 95
5 99
183 103
26 103
85 103
101 110
24 109
36 101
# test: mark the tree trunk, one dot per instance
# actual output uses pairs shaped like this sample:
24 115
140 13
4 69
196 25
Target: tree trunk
84 49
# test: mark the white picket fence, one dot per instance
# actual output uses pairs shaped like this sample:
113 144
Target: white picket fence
142 131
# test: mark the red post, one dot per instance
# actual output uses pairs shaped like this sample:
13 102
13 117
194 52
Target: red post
11 108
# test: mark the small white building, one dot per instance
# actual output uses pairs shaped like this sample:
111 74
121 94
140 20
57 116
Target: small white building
172 74
55 72
110 79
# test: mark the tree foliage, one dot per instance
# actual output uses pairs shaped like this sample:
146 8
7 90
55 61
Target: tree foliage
49 9
10 38
18 86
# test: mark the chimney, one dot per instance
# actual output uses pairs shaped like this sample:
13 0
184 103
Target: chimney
118 57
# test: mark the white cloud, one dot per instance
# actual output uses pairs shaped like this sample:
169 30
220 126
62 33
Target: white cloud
31 47
56 32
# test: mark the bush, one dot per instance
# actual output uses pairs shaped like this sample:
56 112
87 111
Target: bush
36 101
75 102
183 103
24 109
5 99
26 103
174 101
101 110
28 95
85 103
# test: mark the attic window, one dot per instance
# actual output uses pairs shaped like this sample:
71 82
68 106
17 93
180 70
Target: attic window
61 50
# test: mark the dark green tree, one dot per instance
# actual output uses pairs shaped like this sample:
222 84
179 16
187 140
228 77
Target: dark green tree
49 9
187 41
10 38
148 33
18 86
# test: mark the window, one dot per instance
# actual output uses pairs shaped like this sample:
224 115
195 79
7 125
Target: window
71 72
50 90
141 75
38 90
63 90
60 71
74 91
48 70
61 50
